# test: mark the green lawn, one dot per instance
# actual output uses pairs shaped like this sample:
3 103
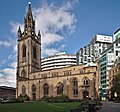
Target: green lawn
38 107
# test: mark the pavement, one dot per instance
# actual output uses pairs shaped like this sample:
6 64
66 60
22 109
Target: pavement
110 107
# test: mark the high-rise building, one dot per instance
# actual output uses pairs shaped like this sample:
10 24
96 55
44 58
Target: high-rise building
107 59
92 51
58 60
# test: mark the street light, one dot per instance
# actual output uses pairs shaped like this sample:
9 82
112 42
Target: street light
115 94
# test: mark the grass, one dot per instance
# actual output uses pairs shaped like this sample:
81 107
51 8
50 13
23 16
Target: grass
38 107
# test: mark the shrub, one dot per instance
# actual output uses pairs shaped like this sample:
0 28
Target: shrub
61 98
11 101
98 103
23 97
84 103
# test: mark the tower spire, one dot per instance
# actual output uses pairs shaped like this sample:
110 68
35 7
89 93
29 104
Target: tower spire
19 33
29 5
29 13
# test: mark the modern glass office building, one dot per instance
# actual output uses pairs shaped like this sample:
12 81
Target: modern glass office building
107 59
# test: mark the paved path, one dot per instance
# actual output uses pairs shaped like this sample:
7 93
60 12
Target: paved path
110 107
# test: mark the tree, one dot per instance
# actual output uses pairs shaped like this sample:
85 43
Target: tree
116 84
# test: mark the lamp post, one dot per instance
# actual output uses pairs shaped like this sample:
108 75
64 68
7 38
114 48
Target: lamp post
115 94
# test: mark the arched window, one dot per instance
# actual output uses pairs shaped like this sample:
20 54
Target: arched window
23 90
46 89
23 73
85 94
34 53
33 88
86 81
59 88
24 51
75 86
33 92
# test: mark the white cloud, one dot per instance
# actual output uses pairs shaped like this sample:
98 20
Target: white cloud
8 71
51 38
50 51
8 77
5 43
15 47
2 62
14 64
15 26
54 22
62 47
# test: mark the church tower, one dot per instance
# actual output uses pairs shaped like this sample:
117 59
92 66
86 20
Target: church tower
29 48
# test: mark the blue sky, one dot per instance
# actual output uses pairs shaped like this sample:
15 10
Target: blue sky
66 25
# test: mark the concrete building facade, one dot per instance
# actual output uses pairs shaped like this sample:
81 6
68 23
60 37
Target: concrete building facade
58 60
7 92
78 82
92 51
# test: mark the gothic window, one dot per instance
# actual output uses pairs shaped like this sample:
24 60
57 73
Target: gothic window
23 73
24 51
33 88
46 89
23 90
75 86
34 53
85 81
59 88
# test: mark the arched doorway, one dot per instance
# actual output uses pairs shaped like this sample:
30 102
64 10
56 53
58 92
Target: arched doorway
85 94
33 92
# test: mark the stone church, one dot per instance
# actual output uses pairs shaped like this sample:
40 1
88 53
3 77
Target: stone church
77 82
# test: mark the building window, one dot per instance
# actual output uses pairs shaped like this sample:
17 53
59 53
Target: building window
44 75
24 51
99 51
55 74
23 73
116 53
59 88
99 44
33 92
46 89
85 58
75 87
81 71
33 88
23 90
34 53
88 60
116 44
85 81
67 72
